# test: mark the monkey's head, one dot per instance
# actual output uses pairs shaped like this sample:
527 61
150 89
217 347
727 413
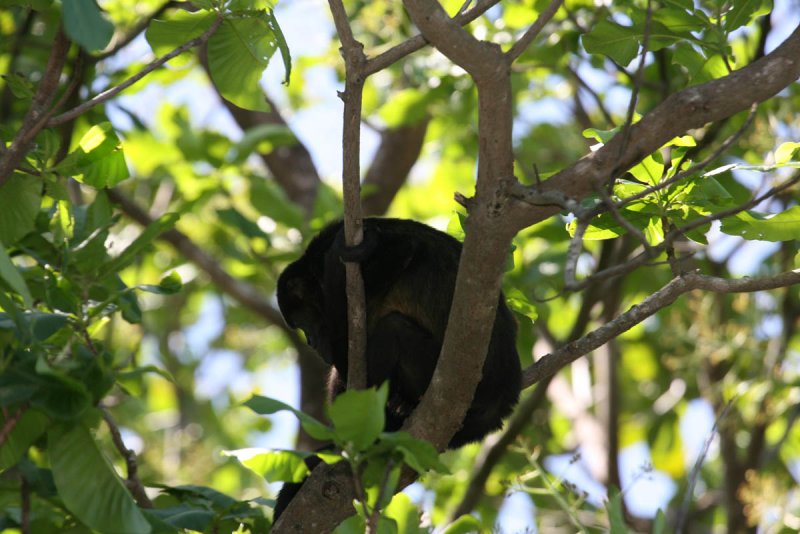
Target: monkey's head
301 301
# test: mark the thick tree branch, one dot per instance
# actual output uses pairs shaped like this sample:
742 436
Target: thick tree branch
556 360
690 108
480 271
417 42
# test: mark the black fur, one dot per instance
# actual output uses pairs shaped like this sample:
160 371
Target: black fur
409 272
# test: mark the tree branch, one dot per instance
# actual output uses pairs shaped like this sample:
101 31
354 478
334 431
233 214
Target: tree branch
535 29
150 67
36 117
419 41
556 360
690 108
487 241
354 61
133 483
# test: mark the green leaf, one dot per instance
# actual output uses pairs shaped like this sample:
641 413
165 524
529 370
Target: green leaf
466 524
88 484
271 200
44 325
660 523
10 274
153 230
603 136
98 161
171 283
238 53
20 199
742 11
263 138
243 225
283 46
358 416
620 43
784 153
20 86
648 171
84 24
186 516
164 36
405 514
419 454
616 517
753 225
266 406
520 303
28 428
272 465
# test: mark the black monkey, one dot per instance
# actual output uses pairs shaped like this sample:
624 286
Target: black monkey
409 272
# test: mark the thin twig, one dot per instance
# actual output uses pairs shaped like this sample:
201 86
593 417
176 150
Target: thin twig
150 67
683 511
11 422
536 28
645 256
637 82
551 363
134 484
493 452
133 34
354 61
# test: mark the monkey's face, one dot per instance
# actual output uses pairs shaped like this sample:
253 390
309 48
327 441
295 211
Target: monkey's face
301 302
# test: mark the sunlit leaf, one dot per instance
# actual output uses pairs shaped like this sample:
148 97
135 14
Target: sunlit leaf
238 53
266 406
358 416
273 465
784 226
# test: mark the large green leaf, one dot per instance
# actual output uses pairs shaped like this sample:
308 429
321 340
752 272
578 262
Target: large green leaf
266 406
419 454
238 53
272 465
28 428
88 484
358 416
84 24
98 160
620 43
182 26
20 199
753 225
10 274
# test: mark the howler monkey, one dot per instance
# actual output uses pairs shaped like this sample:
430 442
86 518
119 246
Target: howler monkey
409 271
